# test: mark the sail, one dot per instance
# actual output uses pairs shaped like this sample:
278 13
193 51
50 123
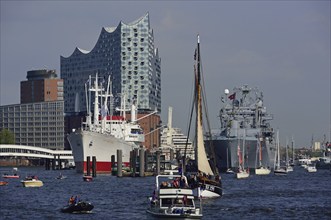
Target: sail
201 156
203 163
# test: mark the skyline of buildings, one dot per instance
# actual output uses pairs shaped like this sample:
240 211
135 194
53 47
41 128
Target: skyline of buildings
39 119
51 107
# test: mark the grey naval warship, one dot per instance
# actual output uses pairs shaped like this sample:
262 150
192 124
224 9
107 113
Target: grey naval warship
244 121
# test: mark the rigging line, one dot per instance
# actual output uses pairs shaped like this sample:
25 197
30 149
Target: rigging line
190 121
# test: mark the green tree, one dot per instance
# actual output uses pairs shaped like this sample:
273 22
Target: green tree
7 137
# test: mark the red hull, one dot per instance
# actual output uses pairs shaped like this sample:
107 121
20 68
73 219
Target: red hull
102 167
11 176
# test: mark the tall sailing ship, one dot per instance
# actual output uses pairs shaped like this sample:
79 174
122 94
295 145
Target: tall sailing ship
208 178
243 117
103 135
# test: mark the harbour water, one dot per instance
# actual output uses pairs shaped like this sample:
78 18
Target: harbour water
299 195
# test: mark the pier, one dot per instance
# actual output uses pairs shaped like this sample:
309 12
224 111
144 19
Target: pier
50 158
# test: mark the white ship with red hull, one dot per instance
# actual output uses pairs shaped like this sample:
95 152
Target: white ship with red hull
102 137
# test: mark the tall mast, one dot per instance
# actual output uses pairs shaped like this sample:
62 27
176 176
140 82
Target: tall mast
96 101
201 157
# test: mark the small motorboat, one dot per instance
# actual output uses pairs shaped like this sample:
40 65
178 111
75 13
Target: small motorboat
3 183
169 200
32 181
11 176
80 207
311 169
87 178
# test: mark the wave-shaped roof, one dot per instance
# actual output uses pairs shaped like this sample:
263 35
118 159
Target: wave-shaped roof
109 30
83 51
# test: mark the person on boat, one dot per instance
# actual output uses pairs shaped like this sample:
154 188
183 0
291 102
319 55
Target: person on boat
164 184
154 198
176 183
76 201
185 200
180 169
71 200
183 183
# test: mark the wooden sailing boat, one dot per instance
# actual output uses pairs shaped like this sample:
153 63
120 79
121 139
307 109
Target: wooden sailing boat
207 175
278 170
261 170
242 172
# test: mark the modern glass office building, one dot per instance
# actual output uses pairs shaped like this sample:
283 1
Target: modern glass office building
126 53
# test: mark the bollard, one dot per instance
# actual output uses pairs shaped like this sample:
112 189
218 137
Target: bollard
47 167
112 159
53 163
94 166
119 163
112 164
134 162
58 162
141 162
88 166
146 161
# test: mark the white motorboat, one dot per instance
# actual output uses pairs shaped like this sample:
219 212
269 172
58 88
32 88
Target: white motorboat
262 171
172 198
311 169
280 171
32 181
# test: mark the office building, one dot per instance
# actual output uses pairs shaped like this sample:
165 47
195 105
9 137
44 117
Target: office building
41 86
39 124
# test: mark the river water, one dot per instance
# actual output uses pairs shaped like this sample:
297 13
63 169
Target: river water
299 195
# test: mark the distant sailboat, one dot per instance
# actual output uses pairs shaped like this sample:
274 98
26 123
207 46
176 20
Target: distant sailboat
229 169
292 161
289 168
242 172
278 170
261 170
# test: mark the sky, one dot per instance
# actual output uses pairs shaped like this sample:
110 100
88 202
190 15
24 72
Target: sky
281 47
